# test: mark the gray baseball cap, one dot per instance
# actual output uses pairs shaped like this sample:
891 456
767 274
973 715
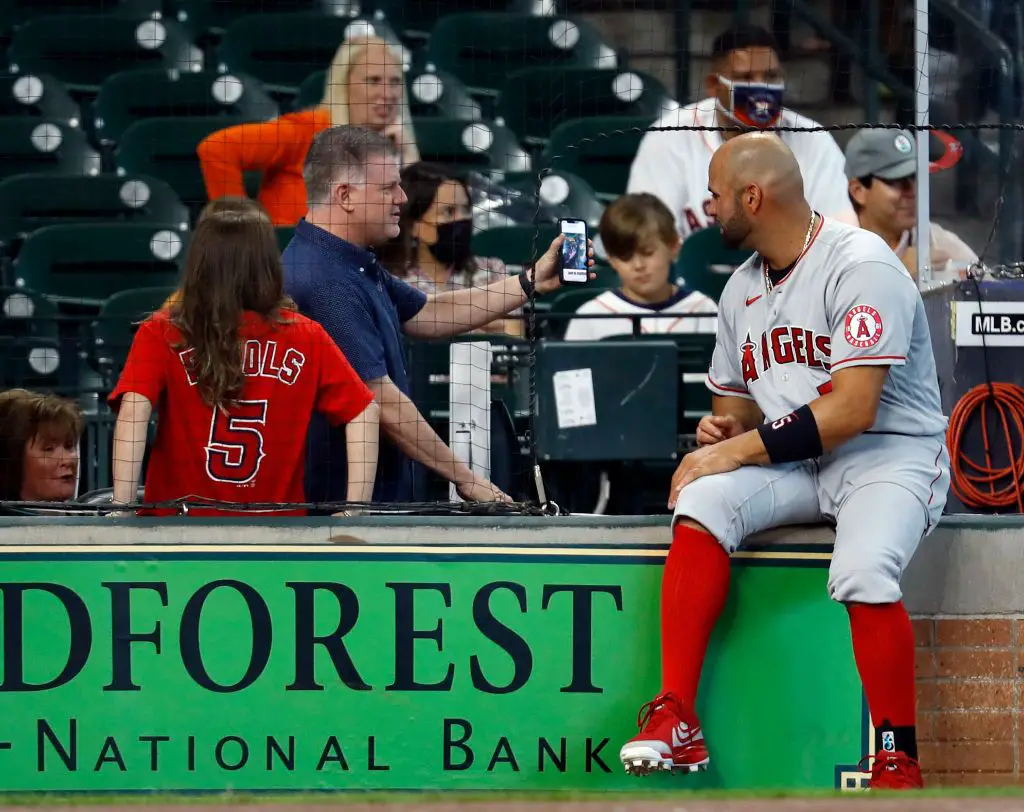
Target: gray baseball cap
887 154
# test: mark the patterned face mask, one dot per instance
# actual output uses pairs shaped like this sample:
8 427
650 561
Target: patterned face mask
753 104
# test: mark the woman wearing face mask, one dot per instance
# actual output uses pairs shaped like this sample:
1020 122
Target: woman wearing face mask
433 250
365 86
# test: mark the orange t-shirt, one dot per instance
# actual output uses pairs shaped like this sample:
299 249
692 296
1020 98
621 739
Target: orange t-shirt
276 148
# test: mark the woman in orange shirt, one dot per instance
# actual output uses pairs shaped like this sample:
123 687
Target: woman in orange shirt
365 86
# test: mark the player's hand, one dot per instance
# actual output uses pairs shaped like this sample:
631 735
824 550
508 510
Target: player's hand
546 270
713 428
481 490
710 459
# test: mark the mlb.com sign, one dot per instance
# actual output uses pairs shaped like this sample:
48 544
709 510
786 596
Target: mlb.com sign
371 669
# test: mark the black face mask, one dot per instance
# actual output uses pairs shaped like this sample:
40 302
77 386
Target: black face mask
454 240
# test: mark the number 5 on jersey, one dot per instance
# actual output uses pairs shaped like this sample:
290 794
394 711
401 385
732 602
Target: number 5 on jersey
235 450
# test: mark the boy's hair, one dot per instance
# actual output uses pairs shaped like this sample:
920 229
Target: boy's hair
635 221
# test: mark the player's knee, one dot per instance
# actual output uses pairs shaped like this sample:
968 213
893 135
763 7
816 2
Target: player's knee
702 506
872 584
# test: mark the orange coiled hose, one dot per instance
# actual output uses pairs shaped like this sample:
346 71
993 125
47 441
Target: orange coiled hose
983 485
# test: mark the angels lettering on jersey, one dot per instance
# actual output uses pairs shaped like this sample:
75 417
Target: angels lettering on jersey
781 346
259 360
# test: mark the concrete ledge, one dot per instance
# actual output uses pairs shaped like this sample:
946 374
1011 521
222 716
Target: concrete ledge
970 565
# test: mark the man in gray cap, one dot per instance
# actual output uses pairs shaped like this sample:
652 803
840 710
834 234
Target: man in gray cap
881 166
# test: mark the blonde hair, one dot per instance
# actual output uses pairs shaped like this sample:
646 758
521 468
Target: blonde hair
335 100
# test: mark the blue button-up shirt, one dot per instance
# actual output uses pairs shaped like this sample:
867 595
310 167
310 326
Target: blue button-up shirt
362 307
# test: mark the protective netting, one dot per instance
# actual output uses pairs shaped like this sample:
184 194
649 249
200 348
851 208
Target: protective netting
123 120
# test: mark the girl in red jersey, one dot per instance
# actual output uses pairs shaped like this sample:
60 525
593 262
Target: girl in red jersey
235 373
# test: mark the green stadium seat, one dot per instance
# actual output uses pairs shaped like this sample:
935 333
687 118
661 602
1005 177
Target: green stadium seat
482 145
536 100
31 202
483 48
14 13
430 93
284 236
24 312
600 150
212 17
83 50
127 97
31 363
416 18
517 246
29 96
165 148
282 50
563 194
86 264
564 303
705 263
116 324
44 145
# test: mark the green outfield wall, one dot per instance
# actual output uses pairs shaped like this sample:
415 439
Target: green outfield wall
131 663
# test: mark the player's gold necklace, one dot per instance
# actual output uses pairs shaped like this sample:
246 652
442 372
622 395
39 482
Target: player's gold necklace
768 285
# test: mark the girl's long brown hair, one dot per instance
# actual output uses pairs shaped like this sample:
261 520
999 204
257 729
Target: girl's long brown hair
233 265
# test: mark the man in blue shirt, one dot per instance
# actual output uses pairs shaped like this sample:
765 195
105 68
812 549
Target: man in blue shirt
354 196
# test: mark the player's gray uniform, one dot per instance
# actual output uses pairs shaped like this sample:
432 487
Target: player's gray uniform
848 301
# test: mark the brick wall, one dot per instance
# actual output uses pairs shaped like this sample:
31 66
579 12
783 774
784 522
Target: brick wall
970 675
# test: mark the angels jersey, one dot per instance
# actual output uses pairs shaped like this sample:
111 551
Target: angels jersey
673 164
848 301
254 450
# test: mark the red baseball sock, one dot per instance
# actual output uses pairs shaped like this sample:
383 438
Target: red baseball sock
694 587
883 646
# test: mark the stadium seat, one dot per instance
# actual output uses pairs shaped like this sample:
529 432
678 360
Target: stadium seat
430 93
165 148
482 48
536 100
44 145
31 202
562 194
281 50
14 13
33 363
471 145
212 17
566 302
600 150
30 96
116 324
86 264
127 97
705 263
83 50
516 246
284 236
24 312
415 20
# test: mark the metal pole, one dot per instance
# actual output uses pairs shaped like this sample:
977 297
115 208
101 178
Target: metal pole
921 119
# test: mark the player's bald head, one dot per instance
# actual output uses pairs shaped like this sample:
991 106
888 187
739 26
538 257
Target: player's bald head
763 161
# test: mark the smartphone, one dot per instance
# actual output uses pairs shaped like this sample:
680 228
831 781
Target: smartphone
575 247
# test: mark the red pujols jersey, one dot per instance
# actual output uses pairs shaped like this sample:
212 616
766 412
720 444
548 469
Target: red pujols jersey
255 450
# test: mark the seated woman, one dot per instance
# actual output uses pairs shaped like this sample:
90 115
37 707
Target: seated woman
433 250
39 437
365 86
235 373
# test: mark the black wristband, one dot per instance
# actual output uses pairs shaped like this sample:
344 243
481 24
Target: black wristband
792 438
526 284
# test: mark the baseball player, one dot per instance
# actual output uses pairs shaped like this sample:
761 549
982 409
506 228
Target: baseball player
826 407
745 87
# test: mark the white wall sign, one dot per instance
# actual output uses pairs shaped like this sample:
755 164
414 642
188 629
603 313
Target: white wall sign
999 324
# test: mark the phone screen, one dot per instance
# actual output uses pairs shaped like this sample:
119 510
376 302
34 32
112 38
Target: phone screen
574 251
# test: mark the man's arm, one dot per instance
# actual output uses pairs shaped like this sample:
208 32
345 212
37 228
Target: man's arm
454 312
402 422
743 410
842 414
